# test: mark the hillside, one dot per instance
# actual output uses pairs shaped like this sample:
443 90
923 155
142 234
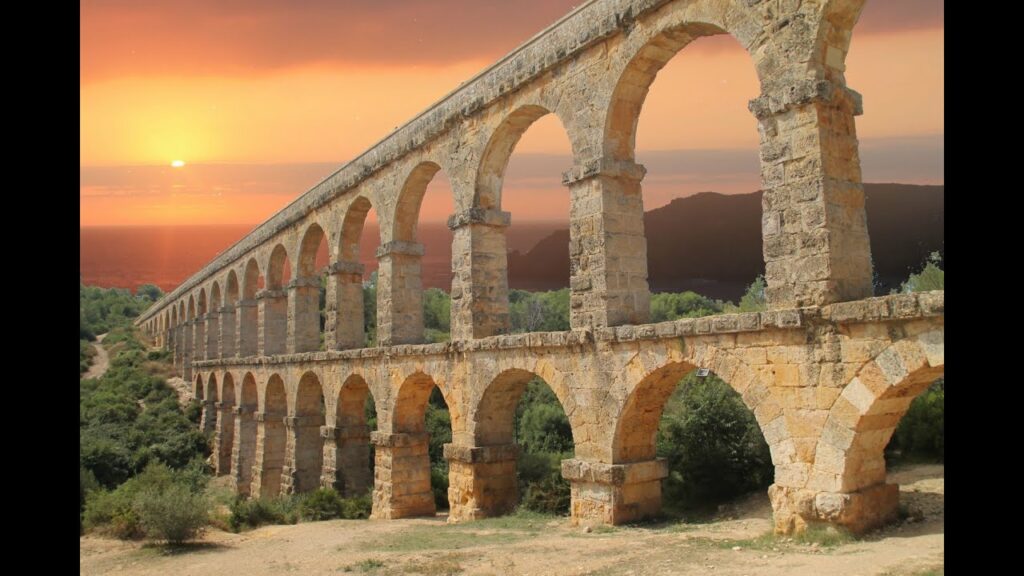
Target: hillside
711 243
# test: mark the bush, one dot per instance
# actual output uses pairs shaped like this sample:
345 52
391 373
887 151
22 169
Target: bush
713 444
255 512
320 504
541 484
111 513
920 435
327 504
174 515
439 484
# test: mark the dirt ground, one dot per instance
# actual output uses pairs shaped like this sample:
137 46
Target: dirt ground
100 362
736 543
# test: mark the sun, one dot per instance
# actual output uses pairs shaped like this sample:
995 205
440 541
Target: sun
177 164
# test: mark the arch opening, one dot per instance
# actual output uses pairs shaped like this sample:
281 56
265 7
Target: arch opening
307 452
243 456
711 443
225 427
349 460
274 303
422 418
681 109
522 425
354 312
310 293
521 173
274 434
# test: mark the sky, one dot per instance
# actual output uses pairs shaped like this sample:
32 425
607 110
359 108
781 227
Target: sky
261 100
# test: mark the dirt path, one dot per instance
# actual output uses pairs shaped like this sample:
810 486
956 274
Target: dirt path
735 545
100 362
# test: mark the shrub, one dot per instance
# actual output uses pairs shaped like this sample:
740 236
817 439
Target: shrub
111 513
255 512
439 484
357 508
541 484
320 504
174 515
714 446
920 435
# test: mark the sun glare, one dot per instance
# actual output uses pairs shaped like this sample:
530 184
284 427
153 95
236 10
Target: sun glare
177 163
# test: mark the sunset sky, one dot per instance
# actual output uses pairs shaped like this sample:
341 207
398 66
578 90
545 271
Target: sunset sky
261 99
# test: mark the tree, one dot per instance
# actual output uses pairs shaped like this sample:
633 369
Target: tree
931 277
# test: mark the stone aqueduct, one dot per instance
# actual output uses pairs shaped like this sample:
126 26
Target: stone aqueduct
828 370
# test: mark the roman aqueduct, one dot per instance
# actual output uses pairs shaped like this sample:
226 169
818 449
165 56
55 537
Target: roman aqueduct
828 370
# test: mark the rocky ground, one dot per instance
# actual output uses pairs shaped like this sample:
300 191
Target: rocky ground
736 543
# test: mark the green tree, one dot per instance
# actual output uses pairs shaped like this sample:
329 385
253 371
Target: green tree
931 277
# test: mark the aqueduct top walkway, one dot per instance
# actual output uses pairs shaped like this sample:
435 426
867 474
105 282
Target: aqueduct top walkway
827 370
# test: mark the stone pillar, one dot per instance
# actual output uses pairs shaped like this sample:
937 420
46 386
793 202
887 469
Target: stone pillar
399 294
816 247
304 315
614 493
480 274
303 456
227 344
208 418
224 441
273 307
401 478
607 246
796 509
347 459
186 352
345 323
199 338
243 449
212 335
483 481
269 460
248 318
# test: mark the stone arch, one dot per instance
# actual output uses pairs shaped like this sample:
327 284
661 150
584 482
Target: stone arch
243 455
228 343
849 461
411 403
345 311
305 329
225 441
402 476
211 388
308 247
231 290
491 173
495 412
213 322
636 426
400 287
352 229
248 312
198 392
834 36
306 446
348 453
653 48
273 439
278 268
410 198
275 303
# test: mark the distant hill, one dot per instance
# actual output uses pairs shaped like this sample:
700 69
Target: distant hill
711 243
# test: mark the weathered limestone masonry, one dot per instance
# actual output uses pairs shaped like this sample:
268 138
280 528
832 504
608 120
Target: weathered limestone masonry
827 370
